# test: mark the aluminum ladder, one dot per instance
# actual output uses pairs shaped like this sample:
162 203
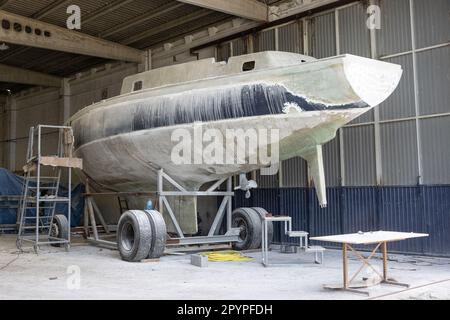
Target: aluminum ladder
40 194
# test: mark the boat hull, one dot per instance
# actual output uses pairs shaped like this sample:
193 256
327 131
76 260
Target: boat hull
129 161
125 140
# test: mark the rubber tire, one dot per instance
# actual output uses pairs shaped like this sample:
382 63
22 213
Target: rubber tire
254 226
263 213
139 241
159 234
63 228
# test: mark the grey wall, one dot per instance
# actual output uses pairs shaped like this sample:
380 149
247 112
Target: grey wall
46 106
3 123
412 126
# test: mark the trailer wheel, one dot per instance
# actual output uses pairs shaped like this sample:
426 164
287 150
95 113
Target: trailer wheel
263 213
249 222
159 233
134 235
60 228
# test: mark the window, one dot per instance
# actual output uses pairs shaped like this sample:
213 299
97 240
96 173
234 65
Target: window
248 66
137 86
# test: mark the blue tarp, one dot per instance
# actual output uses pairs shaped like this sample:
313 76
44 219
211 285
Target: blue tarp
11 185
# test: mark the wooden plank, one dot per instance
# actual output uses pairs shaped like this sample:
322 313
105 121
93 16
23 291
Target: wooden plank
62 162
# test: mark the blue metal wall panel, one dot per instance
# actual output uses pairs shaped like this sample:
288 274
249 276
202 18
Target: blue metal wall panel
401 210
360 209
352 209
294 203
436 213
325 221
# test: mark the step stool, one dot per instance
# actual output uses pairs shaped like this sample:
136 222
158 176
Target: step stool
301 235
318 252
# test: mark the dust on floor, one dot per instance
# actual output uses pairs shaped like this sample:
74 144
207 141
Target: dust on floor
52 275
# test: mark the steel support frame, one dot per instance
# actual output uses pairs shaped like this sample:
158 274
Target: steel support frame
90 223
225 209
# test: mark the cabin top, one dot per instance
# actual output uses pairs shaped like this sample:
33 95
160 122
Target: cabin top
208 68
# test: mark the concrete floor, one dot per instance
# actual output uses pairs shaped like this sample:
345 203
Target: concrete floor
105 276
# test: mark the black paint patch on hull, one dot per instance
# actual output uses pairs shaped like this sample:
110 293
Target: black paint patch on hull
206 106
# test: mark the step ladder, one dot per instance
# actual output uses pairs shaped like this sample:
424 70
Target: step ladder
40 193
301 235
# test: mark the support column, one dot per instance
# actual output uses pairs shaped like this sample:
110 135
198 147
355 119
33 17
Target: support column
66 93
3 126
11 108
250 43
305 23
376 110
341 130
416 93
146 63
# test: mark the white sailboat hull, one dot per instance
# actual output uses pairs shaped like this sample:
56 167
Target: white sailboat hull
124 141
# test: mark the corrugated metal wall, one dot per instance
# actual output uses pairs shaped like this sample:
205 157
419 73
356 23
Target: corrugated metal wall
435 135
265 41
412 143
359 156
433 69
352 209
401 103
323 36
399 155
290 37
395 33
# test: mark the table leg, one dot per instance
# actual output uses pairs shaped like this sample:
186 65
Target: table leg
345 265
384 250
345 286
385 276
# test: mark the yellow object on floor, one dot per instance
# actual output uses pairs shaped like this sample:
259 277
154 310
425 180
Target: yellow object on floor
228 255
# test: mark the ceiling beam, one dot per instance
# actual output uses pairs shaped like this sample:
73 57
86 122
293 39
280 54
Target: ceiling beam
37 15
104 10
140 19
166 26
62 39
23 76
49 9
249 9
283 13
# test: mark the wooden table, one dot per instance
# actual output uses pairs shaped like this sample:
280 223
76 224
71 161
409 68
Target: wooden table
377 238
